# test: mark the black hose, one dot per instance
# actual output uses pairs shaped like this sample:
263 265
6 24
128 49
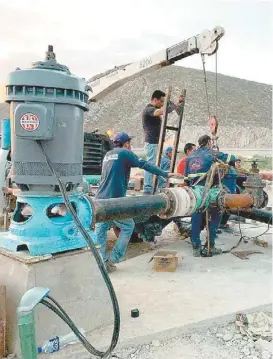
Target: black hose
59 310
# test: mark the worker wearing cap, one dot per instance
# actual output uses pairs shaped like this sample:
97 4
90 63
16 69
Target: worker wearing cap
197 165
116 169
165 165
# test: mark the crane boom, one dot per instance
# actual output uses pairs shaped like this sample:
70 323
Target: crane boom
205 43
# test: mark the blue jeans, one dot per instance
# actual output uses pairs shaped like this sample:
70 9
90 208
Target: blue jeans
151 152
198 221
126 227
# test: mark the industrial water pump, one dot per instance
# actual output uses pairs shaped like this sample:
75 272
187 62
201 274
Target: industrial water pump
47 105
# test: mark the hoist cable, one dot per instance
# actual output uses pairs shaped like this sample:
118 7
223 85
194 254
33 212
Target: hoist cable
216 84
205 81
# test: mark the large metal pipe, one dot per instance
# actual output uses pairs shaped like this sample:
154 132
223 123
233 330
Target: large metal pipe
173 202
238 201
259 215
130 207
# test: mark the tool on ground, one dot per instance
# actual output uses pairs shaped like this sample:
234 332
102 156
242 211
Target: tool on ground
134 313
244 254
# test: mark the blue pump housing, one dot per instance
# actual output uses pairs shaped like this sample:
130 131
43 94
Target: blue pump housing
42 225
5 134
47 104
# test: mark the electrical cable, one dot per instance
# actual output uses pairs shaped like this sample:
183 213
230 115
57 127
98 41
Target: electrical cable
58 309
244 238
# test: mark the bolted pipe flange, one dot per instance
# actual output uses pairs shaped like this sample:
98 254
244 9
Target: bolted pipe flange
171 200
181 201
254 186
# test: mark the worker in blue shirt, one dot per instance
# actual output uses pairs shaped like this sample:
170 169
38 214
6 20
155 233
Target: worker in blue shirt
165 165
116 170
198 164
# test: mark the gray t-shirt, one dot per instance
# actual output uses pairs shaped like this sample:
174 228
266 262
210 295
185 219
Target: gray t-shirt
151 124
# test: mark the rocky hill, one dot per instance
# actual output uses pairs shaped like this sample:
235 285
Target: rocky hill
244 107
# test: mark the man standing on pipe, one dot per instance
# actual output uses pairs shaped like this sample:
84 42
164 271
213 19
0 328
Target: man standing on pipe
116 170
197 165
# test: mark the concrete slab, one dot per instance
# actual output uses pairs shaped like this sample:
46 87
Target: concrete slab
74 281
201 289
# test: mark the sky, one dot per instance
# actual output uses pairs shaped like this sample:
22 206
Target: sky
93 36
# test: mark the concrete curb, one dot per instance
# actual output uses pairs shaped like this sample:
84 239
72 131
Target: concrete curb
188 328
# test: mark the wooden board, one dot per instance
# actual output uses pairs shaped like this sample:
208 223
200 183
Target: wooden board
2 321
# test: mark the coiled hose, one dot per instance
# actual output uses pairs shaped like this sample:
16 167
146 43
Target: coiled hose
53 305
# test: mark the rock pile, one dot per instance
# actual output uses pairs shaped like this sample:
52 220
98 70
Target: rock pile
249 337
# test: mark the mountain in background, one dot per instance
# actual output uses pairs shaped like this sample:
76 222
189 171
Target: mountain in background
244 107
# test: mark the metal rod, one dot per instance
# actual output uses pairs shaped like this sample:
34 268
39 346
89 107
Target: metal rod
129 207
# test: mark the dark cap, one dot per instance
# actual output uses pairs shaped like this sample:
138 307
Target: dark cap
121 137
203 140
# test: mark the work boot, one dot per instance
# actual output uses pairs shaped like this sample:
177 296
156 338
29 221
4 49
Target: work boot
110 267
213 251
226 228
196 251
216 251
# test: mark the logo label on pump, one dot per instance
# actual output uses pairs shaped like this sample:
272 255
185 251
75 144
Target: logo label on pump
29 122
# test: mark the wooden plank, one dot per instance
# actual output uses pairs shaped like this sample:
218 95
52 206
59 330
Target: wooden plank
2 321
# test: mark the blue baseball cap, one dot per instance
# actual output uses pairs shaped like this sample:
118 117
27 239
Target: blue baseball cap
121 137
169 149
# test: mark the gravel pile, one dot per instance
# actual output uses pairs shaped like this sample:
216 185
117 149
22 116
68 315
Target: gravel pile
244 107
249 337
